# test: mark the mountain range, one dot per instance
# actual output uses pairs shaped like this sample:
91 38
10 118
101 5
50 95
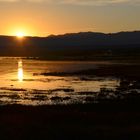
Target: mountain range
82 44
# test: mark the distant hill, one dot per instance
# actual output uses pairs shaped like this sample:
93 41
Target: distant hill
83 44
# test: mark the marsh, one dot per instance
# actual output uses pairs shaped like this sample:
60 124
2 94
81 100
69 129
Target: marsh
36 82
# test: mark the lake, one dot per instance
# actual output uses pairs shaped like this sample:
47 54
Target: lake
36 82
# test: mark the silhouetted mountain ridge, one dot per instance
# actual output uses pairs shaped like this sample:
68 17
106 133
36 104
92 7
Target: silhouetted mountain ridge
71 44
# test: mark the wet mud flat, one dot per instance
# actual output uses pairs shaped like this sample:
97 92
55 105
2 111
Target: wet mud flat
115 115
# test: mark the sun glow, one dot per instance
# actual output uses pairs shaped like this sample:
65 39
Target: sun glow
20 34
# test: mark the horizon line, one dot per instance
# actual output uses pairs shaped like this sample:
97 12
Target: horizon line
2 35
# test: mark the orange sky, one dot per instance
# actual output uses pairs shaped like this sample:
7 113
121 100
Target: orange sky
45 17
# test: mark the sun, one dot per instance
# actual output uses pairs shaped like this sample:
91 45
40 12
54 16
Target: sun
20 34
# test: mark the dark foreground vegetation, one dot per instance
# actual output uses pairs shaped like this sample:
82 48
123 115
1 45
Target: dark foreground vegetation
111 121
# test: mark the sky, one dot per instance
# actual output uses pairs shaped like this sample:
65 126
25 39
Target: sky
46 17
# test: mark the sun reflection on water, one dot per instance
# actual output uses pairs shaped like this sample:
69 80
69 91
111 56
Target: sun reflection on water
20 71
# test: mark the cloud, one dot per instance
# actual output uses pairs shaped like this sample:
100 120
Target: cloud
8 0
82 2
94 2
100 2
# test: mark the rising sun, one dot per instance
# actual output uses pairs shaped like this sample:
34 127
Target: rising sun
20 34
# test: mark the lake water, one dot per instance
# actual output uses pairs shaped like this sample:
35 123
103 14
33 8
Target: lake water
34 82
